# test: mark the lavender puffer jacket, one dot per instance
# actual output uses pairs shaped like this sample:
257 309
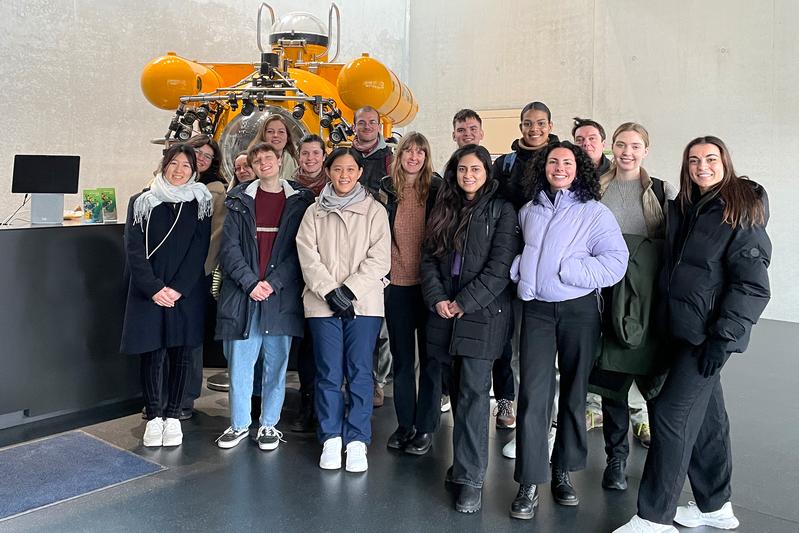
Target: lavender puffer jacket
570 249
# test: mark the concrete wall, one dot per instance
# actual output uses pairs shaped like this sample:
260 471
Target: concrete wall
71 78
71 70
722 67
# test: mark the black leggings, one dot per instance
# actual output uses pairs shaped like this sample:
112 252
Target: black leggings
152 372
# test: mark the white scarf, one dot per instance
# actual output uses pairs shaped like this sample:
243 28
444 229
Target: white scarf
329 200
162 191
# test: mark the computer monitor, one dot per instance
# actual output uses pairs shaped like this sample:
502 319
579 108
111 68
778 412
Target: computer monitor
45 174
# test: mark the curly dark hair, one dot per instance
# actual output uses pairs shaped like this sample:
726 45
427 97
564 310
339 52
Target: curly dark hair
586 182
449 217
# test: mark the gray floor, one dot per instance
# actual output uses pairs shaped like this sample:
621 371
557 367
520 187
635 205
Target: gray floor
244 489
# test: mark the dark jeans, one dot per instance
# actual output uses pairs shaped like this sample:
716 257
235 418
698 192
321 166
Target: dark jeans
504 384
406 319
471 405
343 349
178 361
690 436
306 366
432 375
615 426
570 331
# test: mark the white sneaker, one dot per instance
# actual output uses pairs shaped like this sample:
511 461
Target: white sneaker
445 403
639 525
690 516
173 435
509 450
356 457
331 454
154 432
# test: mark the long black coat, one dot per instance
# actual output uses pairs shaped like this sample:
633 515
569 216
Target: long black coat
178 263
716 277
281 312
483 291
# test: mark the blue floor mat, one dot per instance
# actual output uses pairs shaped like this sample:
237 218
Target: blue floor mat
55 469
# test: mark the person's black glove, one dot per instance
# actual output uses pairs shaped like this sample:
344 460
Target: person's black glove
712 358
340 302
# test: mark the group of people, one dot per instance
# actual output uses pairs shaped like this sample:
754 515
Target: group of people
590 272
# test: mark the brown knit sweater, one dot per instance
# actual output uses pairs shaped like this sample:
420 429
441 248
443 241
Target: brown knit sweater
406 248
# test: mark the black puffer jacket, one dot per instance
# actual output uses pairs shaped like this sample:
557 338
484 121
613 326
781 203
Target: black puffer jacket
388 197
281 312
716 277
510 180
483 290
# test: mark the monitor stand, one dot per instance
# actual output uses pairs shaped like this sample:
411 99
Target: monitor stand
47 208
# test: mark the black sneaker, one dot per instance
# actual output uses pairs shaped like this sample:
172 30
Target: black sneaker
231 438
269 437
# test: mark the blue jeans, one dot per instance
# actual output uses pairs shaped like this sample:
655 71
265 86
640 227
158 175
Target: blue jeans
343 348
273 352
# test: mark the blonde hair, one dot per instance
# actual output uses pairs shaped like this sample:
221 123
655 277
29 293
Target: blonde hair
634 127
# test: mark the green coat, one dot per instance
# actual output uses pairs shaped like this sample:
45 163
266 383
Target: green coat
632 347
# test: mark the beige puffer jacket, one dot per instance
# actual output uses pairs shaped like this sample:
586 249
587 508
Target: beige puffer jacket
350 247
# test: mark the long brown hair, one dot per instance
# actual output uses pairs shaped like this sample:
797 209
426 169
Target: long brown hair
398 177
261 136
446 229
741 203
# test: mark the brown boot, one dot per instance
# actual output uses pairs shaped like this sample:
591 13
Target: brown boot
378 397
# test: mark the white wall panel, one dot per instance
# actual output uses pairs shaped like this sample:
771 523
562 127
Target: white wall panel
683 69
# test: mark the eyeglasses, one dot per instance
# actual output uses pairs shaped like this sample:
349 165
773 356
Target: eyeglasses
204 155
362 123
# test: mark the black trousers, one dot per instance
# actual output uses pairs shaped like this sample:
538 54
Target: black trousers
406 320
433 374
178 361
504 383
615 426
470 390
569 330
690 436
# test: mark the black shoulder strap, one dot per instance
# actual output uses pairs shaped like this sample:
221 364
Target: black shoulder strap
659 189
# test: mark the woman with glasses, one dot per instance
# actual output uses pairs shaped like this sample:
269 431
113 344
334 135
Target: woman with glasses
242 171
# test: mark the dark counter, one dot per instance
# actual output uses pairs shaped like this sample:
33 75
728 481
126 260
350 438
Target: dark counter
64 300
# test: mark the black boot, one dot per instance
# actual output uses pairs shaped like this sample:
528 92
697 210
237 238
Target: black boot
562 489
306 418
614 477
524 505
469 499
420 444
